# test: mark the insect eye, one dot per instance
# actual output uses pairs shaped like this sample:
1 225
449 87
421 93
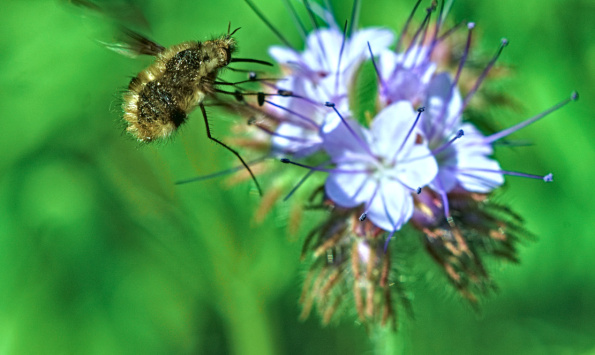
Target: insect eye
225 53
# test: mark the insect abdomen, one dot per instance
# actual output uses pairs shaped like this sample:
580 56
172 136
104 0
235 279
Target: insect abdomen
160 97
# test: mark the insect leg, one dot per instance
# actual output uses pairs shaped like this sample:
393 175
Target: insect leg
204 115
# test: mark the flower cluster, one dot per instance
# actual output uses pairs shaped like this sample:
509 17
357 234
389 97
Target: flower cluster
407 162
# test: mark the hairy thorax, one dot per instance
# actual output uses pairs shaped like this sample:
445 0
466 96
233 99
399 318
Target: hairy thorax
160 98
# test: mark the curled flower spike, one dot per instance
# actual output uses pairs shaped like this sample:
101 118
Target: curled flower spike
426 177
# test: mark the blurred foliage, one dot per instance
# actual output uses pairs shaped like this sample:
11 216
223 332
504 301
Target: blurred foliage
101 253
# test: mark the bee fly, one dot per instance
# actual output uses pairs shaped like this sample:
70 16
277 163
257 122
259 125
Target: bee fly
159 98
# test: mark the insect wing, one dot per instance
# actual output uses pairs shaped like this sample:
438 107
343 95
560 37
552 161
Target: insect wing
118 26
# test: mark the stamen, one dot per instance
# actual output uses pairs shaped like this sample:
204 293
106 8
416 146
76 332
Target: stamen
494 137
380 80
547 178
424 34
470 27
300 183
444 197
363 217
299 115
388 216
419 111
438 150
221 173
407 23
369 203
315 168
450 31
423 25
418 191
354 16
340 57
438 22
328 6
390 236
249 93
490 65
269 25
275 134
296 19
317 31
260 95
440 118
355 135
237 94
251 79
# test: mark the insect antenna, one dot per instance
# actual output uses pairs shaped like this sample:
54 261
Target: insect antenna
232 33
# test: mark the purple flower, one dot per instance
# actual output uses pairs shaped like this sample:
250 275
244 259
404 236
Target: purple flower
322 73
380 167
329 53
461 151
302 114
405 76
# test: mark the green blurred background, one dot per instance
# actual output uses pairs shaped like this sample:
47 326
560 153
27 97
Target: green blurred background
101 254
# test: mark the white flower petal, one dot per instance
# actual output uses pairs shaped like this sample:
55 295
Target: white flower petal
380 39
479 181
472 143
390 128
284 55
392 207
350 189
440 123
418 168
340 142
387 61
306 140
322 50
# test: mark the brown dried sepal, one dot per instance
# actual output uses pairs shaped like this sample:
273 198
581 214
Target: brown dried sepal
350 268
479 228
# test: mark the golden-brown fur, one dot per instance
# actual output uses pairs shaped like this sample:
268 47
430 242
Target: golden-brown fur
159 99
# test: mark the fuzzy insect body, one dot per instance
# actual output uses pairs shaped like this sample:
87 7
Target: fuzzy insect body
160 97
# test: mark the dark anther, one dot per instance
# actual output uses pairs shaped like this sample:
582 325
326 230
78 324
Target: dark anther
260 98
460 133
251 120
363 217
549 177
574 96
285 161
421 109
238 96
418 190
252 75
284 92
329 104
